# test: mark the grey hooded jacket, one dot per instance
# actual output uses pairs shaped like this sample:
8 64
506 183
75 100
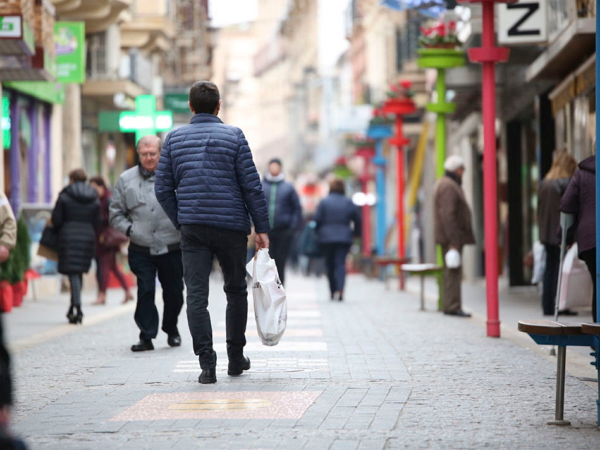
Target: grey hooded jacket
135 211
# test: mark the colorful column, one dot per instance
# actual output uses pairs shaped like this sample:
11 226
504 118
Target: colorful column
489 55
15 156
440 59
367 153
379 133
400 107
597 299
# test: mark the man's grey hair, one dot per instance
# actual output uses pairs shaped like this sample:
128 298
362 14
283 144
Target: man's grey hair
149 141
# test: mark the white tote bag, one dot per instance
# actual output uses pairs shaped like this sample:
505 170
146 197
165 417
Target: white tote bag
452 259
270 305
576 288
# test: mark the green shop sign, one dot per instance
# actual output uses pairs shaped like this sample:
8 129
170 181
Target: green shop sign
145 120
5 121
177 103
42 90
69 39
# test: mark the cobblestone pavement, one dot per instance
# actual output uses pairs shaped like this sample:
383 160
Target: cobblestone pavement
371 372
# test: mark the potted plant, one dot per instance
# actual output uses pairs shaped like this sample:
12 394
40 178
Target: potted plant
12 271
440 35
401 90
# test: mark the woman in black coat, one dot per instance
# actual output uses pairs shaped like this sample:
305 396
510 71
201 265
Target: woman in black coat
76 217
333 218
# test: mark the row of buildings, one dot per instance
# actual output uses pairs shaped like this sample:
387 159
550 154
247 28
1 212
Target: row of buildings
69 68
278 85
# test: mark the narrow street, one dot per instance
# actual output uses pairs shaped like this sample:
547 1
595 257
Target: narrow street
371 372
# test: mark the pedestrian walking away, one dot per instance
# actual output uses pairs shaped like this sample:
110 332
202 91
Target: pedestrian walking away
552 188
453 230
153 249
334 215
207 184
76 217
580 200
285 214
107 246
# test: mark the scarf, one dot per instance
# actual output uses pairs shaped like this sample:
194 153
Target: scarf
454 177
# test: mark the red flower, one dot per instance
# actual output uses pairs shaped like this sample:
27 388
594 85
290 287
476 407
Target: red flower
452 25
394 87
406 84
426 31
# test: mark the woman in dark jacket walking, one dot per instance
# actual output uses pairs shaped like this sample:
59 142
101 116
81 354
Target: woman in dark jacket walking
552 188
106 257
76 217
580 200
333 218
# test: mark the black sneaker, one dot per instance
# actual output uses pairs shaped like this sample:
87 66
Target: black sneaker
459 313
142 346
174 341
208 376
237 367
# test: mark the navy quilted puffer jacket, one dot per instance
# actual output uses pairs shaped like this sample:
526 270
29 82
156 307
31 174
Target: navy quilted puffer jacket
206 176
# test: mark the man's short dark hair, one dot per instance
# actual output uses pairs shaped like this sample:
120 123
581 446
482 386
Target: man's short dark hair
204 97
78 175
276 161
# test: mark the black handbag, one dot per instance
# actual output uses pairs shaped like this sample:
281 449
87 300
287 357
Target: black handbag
49 238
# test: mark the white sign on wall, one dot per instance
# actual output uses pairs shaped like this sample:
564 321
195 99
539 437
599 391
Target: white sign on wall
10 27
525 22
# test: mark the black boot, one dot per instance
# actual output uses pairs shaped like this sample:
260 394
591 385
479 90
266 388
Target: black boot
71 315
237 367
208 376
79 315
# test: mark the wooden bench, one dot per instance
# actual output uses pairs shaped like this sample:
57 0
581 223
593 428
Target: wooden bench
384 261
422 270
547 332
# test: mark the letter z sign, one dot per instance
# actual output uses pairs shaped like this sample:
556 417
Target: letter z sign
524 22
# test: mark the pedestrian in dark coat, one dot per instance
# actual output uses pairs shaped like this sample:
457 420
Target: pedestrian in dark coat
453 230
76 217
334 215
552 188
285 214
208 186
580 200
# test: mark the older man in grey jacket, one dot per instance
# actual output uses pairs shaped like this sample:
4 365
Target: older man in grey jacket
154 247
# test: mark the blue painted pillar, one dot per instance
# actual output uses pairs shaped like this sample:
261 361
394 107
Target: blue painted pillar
379 132
15 157
380 162
597 299
33 155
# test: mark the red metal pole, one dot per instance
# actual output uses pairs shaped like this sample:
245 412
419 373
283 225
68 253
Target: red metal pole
489 174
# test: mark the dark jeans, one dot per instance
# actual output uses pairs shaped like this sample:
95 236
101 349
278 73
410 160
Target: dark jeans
280 244
589 257
170 274
108 264
200 244
335 261
76 281
550 278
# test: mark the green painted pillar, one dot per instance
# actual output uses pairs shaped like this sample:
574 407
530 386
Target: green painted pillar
440 59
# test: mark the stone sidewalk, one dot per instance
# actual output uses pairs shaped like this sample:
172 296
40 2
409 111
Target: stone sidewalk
371 372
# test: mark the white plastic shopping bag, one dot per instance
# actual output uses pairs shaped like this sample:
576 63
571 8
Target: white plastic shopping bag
576 287
452 259
539 262
270 305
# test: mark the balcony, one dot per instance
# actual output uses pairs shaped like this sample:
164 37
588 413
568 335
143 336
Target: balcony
98 15
572 32
16 34
151 28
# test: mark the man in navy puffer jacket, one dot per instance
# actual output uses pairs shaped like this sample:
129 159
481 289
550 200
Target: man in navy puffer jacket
208 185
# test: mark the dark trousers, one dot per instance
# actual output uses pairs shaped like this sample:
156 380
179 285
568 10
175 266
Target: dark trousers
335 261
5 376
589 257
170 274
451 285
76 282
280 244
550 278
200 244
108 264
